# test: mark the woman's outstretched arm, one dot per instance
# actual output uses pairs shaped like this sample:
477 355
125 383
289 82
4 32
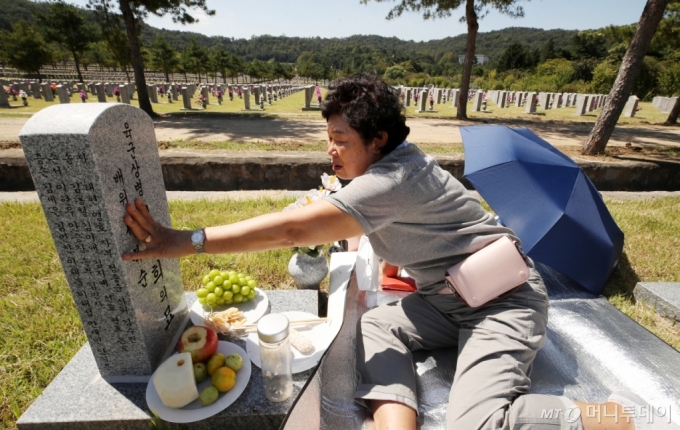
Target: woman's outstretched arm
320 222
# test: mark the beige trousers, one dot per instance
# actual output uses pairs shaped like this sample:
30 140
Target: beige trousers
497 344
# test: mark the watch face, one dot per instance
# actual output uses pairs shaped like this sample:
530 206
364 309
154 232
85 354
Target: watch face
197 237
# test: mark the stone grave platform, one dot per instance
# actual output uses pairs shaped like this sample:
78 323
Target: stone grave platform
591 350
662 296
78 398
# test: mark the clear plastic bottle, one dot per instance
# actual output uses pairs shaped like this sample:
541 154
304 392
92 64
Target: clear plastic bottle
275 357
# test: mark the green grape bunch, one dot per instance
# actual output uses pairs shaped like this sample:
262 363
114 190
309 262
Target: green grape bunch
226 288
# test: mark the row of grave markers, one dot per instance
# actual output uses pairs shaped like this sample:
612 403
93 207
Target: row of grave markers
421 97
269 94
584 103
664 104
439 95
124 92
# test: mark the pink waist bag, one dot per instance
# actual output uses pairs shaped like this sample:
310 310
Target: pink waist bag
492 272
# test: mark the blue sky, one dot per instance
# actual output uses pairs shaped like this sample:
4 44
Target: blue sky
342 18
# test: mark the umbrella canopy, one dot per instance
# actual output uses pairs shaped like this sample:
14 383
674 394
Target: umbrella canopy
546 199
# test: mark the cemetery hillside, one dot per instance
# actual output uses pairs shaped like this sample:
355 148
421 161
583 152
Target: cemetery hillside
475 230
515 58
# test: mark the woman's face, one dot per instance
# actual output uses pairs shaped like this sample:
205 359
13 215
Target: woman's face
350 157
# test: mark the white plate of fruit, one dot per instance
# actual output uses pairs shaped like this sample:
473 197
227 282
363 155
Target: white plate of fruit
225 289
203 378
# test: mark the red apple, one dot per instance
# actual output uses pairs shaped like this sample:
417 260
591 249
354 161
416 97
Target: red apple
200 341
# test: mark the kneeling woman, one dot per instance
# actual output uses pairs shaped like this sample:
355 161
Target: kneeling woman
416 216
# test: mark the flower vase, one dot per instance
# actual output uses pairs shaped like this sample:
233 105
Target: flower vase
204 104
14 97
118 99
306 271
25 102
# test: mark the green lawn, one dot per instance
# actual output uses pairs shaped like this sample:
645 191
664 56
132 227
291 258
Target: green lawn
286 105
42 331
291 107
318 146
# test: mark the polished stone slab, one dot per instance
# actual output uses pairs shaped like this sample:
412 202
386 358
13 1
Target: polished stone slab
78 398
663 296
591 350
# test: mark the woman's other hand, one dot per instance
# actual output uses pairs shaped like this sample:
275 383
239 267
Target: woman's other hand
158 241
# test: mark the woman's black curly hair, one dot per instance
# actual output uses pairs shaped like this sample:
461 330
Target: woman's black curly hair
370 107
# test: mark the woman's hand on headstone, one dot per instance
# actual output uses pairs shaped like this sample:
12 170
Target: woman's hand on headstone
156 240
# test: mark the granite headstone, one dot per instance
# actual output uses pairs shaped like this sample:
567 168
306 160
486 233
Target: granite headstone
124 94
530 103
422 101
186 99
47 92
477 101
454 98
205 92
62 92
101 93
3 97
246 98
88 161
35 89
153 93
631 107
582 104
308 96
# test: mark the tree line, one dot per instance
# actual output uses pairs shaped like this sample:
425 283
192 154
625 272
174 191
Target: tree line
267 57
591 63
642 57
53 32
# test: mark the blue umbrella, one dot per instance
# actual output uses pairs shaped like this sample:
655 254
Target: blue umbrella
546 199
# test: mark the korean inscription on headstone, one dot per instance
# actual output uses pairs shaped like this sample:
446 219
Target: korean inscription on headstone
87 162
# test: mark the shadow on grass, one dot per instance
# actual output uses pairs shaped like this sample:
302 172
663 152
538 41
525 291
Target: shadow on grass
576 128
623 280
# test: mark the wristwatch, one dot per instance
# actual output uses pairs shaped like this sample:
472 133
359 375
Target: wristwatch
197 239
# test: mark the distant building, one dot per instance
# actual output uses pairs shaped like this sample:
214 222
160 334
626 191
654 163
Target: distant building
481 58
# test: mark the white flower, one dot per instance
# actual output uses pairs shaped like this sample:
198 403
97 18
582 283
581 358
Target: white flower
311 197
290 207
330 183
